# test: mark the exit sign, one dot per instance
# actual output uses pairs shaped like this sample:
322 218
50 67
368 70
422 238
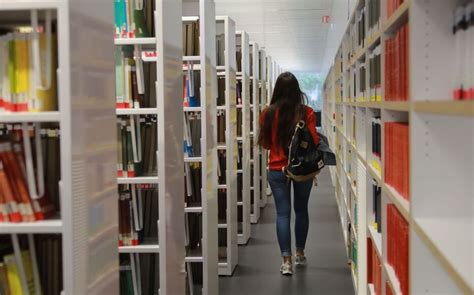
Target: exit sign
325 19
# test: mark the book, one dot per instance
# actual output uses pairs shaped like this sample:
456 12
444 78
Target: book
396 66
26 177
396 157
191 39
28 80
463 37
397 246
377 206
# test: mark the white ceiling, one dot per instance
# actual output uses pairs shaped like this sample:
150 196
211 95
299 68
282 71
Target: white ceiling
291 31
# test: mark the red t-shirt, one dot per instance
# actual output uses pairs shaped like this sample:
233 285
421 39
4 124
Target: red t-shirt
278 158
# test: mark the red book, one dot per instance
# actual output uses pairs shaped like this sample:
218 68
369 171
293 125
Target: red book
12 162
388 289
370 251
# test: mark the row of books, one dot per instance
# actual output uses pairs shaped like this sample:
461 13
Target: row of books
238 57
138 214
192 134
139 274
397 246
374 267
137 146
41 260
392 6
193 184
191 87
29 173
352 248
27 72
377 137
388 289
373 7
191 39
377 205
375 74
396 66
133 79
396 157
134 18
463 30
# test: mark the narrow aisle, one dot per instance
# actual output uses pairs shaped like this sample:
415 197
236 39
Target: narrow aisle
327 271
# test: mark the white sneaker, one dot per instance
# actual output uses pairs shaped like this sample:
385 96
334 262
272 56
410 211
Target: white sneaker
286 269
300 260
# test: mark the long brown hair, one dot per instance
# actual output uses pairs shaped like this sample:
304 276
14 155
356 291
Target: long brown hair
288 101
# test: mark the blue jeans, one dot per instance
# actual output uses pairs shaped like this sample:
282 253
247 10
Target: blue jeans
281 189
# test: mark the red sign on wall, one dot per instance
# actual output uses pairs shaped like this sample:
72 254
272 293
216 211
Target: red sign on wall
325 19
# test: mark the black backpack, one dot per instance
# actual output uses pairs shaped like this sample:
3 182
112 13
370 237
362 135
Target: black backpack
305 160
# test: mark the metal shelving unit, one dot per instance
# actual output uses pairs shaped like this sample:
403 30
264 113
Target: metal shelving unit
243 140
225 25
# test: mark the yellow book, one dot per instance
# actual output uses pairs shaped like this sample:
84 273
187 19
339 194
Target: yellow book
22 72
4 285
13 275
45 98
28 267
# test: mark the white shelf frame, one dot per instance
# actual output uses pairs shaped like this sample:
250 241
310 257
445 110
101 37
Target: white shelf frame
255 113
263 101
226 25
243 39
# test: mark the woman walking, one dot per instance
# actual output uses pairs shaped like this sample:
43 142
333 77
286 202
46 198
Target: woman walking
277 125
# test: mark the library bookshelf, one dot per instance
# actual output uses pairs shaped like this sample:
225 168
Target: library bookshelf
263 101
202 264
164 181
243 138
227 190
255 114
359 114
82 147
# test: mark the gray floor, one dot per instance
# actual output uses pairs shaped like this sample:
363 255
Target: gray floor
327 271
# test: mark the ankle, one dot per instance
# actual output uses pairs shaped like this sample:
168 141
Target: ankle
299 252
287 259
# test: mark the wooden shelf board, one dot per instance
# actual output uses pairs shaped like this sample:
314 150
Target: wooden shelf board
438 235
399 17
450 108
377 239
370 104
401 203
374 173
392 278
403 106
